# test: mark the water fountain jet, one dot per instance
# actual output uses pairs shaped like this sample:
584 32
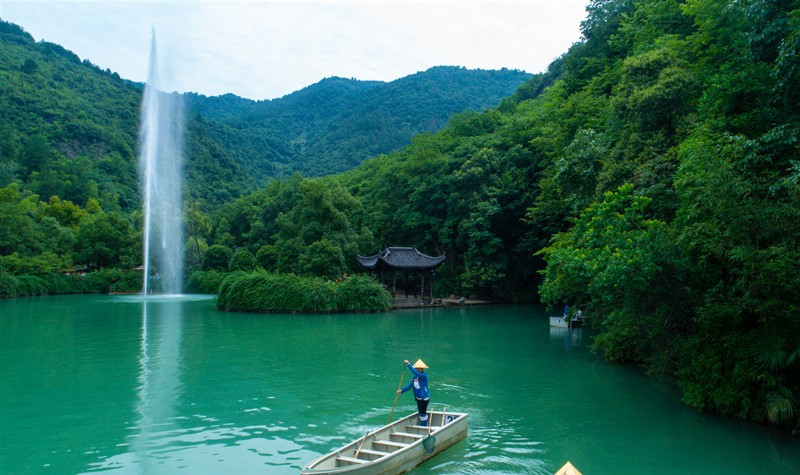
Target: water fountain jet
161 156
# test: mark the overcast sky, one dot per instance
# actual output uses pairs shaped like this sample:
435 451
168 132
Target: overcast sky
267 49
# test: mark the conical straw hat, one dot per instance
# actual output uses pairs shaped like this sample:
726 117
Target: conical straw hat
420 364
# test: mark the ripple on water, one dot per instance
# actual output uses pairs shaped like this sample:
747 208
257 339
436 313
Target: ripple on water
216 447
497 448
155 298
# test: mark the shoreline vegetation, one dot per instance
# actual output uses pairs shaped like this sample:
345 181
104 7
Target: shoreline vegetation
258 291
103 281
266 292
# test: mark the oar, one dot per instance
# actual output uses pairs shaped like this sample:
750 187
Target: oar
397 395
361 445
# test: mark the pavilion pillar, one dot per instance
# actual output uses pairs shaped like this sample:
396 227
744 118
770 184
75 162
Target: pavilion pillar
431 286
422 289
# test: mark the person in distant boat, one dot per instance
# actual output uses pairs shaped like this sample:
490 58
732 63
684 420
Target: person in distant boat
420 385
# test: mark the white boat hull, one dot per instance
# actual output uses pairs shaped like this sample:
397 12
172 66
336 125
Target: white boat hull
561 322
393 449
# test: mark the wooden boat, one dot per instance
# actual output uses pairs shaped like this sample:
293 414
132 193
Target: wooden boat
394 448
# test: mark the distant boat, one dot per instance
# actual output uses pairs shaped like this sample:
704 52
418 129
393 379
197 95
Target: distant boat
568 469
394 448
561 322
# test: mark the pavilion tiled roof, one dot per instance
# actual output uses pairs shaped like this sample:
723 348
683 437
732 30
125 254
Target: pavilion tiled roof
400 258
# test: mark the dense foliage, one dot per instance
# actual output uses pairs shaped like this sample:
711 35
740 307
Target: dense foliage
687 252
261 291
337 123
98 282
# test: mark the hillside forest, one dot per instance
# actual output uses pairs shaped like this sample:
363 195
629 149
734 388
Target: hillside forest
649 177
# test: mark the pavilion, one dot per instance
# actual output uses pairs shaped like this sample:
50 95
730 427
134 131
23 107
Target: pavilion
412 263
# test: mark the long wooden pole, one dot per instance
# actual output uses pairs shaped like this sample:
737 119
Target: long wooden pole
397 395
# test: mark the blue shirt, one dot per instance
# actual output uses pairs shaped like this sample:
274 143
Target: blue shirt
420 384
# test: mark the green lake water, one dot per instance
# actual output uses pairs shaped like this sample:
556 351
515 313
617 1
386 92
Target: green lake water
109 383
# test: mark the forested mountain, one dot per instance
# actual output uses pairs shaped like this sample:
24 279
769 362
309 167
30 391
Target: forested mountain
69 129
335 124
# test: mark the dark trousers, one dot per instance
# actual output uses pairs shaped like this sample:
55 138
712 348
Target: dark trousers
422 408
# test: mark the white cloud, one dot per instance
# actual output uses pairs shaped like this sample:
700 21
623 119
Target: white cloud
266 49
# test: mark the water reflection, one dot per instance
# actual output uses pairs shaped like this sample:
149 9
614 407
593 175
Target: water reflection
159 378
573 337
165 437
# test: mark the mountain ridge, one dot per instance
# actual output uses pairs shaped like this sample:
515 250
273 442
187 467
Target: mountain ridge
83 120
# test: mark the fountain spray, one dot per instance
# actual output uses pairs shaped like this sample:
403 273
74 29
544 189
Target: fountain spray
161 157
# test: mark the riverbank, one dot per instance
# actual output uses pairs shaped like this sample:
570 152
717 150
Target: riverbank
102 281
416 302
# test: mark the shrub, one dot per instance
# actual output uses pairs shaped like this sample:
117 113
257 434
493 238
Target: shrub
263 291
30 285
62 284
360 294
101 281
217 258
8 285
127 281
205 282
112 280
242 260
267 257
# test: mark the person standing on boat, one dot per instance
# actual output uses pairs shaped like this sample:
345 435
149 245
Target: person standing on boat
420 386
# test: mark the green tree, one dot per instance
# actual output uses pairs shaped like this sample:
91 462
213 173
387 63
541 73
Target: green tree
36 154
217 257
629 271
19 231
29 66
242 260
65 212
104 240
739 228
323 257
198 228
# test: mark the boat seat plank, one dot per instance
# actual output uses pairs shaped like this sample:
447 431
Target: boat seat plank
422 429
379 453
389 443
350 460
406 434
